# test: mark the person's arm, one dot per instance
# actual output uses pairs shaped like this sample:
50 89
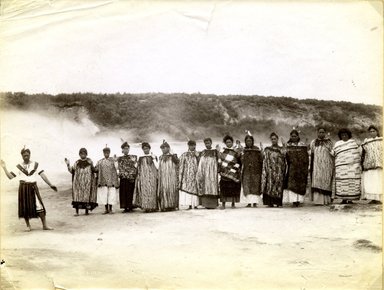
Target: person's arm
175 159
116 164
96 168
10 175
45 178
68 165
155 160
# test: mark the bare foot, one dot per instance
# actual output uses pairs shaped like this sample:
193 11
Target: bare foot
29 229
46 228
76 214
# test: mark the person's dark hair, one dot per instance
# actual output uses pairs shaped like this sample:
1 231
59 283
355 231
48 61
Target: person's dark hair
227 137
208 139
249 137
106 149
294 131
191 142
274 134
164 145
125 144
321 127
374 128
344 131
25 151
145 144
83 150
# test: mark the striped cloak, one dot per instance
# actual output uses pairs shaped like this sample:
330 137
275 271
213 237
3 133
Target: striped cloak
207 173
187 172
168 178
347 169
322 166
83 185
372 157
145 194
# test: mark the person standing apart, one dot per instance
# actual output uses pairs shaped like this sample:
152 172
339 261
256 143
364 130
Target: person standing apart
372 160
83 183
168 189
322 168
296 177
207 176
145 195
252 161
107 181
274 166
30 203
347 167
127 165
187 176
230 172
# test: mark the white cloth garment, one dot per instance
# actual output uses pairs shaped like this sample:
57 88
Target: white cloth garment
289 196
107 195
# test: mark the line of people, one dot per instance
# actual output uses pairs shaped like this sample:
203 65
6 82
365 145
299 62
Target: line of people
273 175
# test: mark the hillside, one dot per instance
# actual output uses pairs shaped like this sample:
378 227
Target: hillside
183 116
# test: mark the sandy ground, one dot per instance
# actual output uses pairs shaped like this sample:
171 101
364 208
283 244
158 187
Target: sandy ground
245 248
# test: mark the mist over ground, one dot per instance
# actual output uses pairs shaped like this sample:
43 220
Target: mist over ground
55 127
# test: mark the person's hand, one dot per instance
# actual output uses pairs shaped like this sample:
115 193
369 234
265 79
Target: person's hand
66 161
283 142
218 147
2 163
54 188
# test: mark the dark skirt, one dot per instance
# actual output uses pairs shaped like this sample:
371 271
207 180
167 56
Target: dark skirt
272 200
28 192
84 205
209 201
127 187
229 190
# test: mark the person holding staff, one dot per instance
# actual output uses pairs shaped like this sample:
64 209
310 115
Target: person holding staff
30 203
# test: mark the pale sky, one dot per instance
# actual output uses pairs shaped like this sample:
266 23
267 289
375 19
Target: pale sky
323 50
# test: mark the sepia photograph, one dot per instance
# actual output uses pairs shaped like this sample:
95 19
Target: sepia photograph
191 144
